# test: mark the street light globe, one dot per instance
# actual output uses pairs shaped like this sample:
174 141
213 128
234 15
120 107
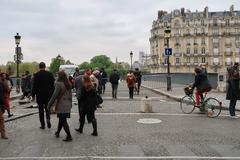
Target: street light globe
17 39
131 53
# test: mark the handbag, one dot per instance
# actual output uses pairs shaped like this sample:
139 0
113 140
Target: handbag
99 99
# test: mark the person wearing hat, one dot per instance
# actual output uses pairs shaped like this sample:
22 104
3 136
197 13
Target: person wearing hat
43 87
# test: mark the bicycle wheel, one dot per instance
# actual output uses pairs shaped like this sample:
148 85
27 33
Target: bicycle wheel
213 107
187 104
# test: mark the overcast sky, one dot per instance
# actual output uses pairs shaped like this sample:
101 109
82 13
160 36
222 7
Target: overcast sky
81 29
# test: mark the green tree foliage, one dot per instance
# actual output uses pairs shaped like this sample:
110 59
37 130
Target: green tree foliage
55 64
101 61
84 65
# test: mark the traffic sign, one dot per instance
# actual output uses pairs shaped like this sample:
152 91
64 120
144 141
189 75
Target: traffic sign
168 51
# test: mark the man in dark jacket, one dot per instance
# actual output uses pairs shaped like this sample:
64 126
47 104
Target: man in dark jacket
114 78
43 87
138 77
233 91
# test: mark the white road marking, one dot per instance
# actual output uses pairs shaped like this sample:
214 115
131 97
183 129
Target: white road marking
121 157
152 114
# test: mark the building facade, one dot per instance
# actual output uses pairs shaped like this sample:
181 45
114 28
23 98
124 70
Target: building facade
210 38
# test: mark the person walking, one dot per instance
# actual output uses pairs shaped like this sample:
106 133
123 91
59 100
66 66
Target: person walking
233 91
2 109
131 80
43 87
78 86
27 85
113 79
138 77
6 90
63 95
88 100
104 80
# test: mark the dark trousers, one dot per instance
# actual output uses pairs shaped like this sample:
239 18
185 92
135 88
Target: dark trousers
103 88
138 86
42 105
232 107
114 90
79 112
90 116
131 89
63 123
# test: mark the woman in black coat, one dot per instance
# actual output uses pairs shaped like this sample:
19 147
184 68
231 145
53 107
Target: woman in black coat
88 100
233 91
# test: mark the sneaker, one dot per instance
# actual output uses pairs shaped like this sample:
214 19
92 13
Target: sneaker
234 117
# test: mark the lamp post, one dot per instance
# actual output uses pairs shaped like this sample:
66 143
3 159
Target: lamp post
167 35
18 57
131 55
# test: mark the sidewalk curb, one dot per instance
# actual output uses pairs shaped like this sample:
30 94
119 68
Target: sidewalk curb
176 98
22 116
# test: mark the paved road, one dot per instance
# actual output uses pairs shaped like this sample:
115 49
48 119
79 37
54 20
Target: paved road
178 136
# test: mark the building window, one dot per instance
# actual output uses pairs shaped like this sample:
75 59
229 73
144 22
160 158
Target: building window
238 51
188 50
227 22
188 59
215 40
188 31
215 61
215 51
165 24
203 41
195 31
203 59
187 41
214 22
202 30
195 51
215 30
165 61
177 61
195 41
187 23
195 59
202 22
203 51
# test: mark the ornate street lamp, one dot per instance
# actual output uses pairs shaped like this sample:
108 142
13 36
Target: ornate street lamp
131 55
18 57
167 36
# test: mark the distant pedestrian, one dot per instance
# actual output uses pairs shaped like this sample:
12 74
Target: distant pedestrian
113 79
76 73
104 80
43 87
2 109
138 77
6 90
233 91
131 80
63 95
27 85
88 100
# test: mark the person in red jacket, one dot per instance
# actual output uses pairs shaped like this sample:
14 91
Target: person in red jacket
131 80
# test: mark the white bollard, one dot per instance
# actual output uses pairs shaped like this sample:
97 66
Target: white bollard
146 105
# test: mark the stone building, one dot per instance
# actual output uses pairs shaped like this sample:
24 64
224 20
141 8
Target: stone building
210 38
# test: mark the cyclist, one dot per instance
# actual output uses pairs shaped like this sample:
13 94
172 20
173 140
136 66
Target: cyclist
202 84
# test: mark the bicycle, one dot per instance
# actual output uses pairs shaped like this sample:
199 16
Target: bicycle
211 106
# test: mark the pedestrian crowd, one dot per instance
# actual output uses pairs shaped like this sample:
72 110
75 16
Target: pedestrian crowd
55 95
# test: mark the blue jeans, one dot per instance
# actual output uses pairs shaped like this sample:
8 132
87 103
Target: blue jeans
114 90
232 107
